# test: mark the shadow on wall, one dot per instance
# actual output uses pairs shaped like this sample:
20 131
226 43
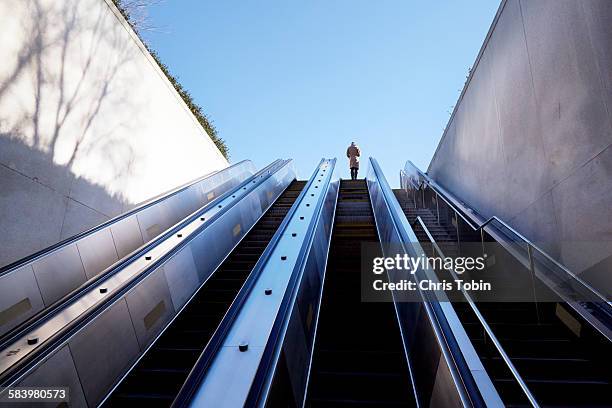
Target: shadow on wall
34 214
56 124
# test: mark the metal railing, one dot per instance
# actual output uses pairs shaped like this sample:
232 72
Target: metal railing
207 381
584 299
140 207
88 321
73 296
482 321
469 384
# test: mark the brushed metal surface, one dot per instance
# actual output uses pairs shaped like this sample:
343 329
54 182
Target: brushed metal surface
57 370
103 350
59 274
97 252
179 206
150 306
548 61
182 276
204 254
218 390
154 220
126 235
19 297
259 311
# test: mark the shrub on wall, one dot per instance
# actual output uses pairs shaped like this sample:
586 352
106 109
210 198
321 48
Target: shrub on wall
125 6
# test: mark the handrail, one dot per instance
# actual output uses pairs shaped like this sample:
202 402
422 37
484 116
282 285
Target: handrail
475 227
443 192
258 392
462 210
206 358
460 371
483 322
147 203
73 326
324 274
61 303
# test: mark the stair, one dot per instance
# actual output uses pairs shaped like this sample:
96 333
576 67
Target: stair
560 368
358 360
157 378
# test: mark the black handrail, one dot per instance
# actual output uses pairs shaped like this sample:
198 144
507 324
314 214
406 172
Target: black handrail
148 203
202 365
72 327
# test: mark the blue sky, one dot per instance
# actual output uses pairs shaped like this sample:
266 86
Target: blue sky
302 79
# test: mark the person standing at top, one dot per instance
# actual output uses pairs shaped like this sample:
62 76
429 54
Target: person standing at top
353 154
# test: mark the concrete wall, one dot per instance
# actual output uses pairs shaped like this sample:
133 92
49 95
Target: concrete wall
89 126
530 137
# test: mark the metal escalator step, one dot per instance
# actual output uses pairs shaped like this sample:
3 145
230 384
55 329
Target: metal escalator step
358 359
160 373
559 368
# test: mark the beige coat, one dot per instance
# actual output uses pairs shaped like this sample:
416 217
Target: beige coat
353 154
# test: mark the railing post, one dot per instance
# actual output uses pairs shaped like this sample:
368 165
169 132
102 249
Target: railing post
423 197
532 271
437 206
457 229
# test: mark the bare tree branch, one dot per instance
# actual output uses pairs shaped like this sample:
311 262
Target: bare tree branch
137 13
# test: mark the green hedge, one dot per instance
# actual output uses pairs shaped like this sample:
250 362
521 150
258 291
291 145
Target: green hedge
206 123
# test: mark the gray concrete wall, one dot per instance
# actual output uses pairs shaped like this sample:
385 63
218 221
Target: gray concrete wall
89 125
530 138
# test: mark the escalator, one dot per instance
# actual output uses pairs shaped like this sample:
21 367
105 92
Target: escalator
43 283
158 376
358 357
561 359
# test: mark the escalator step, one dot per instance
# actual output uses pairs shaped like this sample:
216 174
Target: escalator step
158 376
560 368
358 360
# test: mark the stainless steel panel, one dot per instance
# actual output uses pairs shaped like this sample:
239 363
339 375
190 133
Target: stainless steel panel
250 210
177 207
572 209
127 235
484 131
204 253
103 350
195 199
297 354
259 312
549 61
182 276
106 346
224 231
223 378
567 83
150 306
57 370
154 220
420 325
525 167
97 252
19 297
59 273
597 13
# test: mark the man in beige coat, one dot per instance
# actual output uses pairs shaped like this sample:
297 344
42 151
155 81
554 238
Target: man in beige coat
353 154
